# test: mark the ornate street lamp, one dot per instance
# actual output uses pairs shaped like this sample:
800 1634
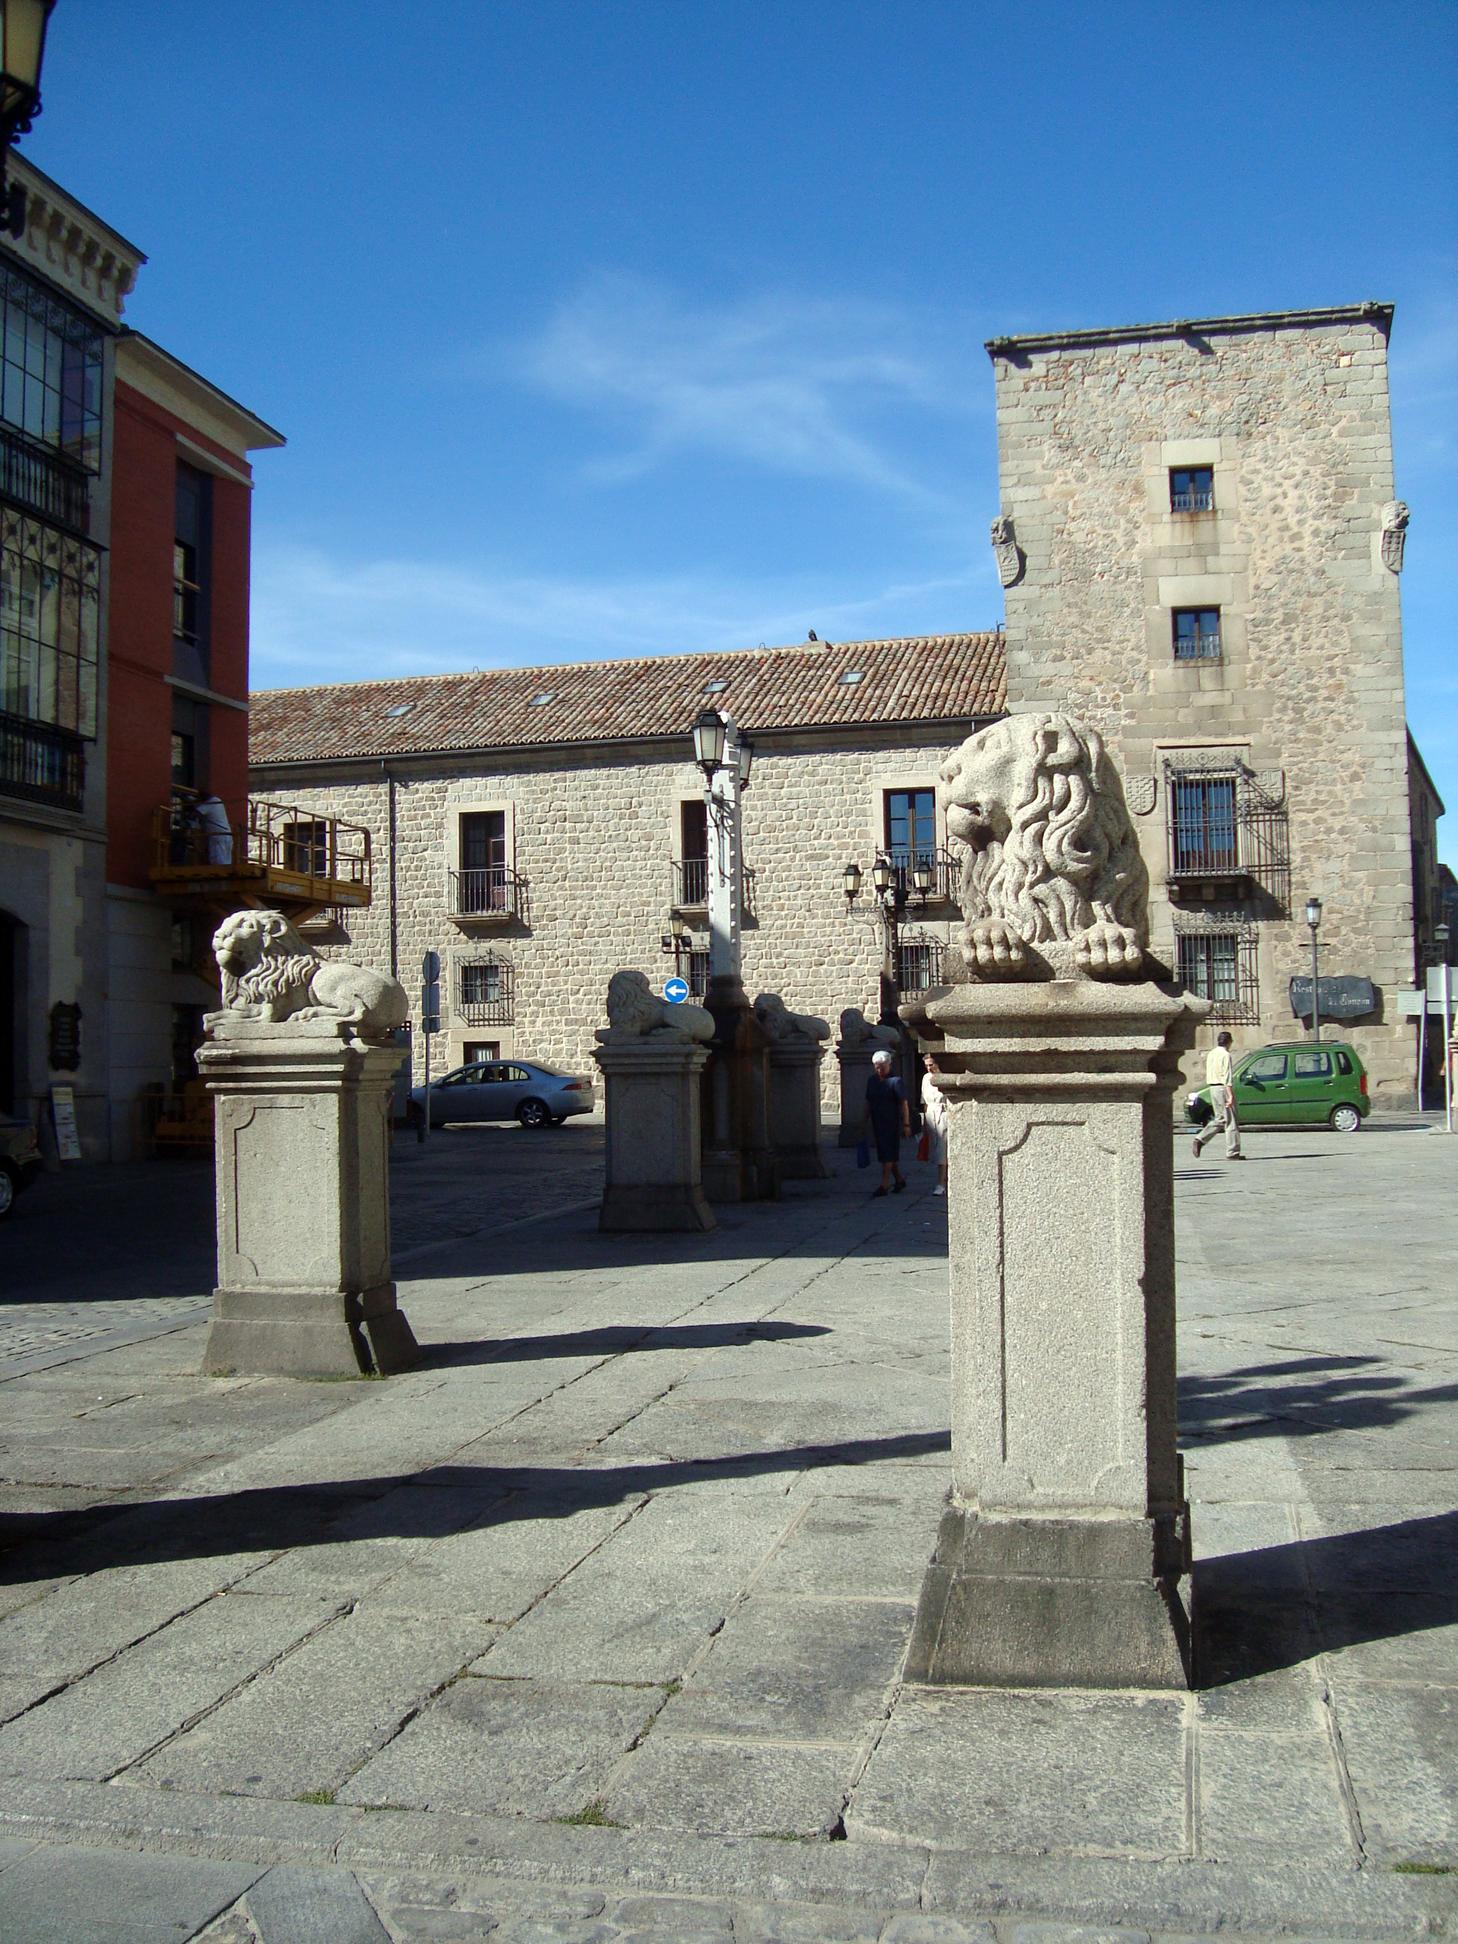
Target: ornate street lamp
709 729
881 875
744 758
1313 918
22 50
921 878
852 879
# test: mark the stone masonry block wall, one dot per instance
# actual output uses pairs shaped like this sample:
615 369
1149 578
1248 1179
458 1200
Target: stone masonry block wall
1293 418
595 835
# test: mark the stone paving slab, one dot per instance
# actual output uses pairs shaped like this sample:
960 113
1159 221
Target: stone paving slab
719 1464
69 1896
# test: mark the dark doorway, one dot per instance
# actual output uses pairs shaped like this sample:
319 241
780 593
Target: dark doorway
10 1011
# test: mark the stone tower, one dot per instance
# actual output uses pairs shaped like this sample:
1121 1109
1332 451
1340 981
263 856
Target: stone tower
1200 545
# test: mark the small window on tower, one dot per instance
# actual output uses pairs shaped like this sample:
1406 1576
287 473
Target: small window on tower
1191 489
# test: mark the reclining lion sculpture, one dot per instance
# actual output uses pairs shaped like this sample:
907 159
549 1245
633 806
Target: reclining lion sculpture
269 973
1053 885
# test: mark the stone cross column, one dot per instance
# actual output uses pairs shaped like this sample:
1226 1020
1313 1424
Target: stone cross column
301 1119
1066 1534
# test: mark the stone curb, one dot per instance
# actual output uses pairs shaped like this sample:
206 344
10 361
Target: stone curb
1157 1896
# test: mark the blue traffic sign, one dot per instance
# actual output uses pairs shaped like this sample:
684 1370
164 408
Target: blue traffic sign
675 991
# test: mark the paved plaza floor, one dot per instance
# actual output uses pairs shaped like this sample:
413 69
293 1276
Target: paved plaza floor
591 1627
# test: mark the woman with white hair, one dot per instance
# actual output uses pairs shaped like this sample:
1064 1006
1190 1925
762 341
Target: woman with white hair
890 1118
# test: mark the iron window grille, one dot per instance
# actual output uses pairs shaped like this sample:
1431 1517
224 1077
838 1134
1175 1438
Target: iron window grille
486 993
41 764
696 971
1191 489
1196 634
1224 821
690 891
1221 966
919 964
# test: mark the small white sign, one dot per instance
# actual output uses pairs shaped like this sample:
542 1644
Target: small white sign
63 1119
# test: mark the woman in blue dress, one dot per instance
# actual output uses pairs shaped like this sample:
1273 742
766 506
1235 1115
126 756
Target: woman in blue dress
890 1118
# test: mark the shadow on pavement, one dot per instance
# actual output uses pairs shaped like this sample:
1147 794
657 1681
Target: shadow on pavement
1320 1394
613 1340
1256 1612
442 1499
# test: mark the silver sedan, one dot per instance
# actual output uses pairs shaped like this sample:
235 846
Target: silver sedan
502 1090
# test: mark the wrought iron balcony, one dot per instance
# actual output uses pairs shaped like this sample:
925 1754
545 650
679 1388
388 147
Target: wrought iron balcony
1200 499
41 763
492 894
691 886
939 872
52 485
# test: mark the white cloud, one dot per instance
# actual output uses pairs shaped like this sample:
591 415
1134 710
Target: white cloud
321 619
793 385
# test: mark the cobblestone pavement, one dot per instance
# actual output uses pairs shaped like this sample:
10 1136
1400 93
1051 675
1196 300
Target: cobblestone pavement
591 1627
120 1254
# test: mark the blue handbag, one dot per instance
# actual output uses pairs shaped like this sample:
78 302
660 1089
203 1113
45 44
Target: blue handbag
863 1153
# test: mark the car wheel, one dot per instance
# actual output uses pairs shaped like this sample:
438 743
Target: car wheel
1345 1119
534 1113
7 1189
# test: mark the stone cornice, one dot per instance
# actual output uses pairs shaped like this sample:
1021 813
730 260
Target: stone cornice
73 248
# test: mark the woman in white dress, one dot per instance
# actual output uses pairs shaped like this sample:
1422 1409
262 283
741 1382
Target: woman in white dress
934 1116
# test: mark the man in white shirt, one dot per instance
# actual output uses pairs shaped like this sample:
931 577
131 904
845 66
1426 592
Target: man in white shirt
1219 1078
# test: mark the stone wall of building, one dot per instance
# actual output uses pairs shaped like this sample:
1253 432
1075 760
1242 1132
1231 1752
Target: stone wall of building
1304 703
594 834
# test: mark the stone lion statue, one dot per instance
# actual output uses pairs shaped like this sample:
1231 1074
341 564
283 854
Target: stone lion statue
634 1010
269 973
780 1023
858 1031
1053 885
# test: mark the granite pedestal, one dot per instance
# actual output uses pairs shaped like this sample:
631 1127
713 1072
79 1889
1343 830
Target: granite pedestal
794 1111
1066 1534
654 1172
301 1119
738 1158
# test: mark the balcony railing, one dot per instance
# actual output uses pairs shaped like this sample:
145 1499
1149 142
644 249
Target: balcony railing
291 855
41 763
53 486
691 886
944 872
1198 500
1204 646
492 893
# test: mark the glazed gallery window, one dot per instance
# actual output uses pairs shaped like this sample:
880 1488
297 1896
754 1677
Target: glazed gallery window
1197 634
50 371
1202 832
1191 489
49 617
191 576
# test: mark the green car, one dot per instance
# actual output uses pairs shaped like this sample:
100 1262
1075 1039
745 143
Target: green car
1279 1086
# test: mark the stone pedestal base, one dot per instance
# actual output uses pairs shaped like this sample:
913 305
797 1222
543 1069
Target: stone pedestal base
1061 1554
653 1177
739 1161
301 1117
855 1070
1053 1603
288 1333
794 1113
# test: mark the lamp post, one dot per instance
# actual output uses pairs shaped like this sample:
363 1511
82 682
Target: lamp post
23 26
725 756
889 886
1313 918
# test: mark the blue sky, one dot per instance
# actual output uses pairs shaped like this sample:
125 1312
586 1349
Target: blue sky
632 326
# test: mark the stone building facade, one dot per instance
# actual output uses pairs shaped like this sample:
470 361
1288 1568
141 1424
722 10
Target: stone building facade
541 828
1200 543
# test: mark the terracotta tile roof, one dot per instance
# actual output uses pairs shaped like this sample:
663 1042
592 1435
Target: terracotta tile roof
924 678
